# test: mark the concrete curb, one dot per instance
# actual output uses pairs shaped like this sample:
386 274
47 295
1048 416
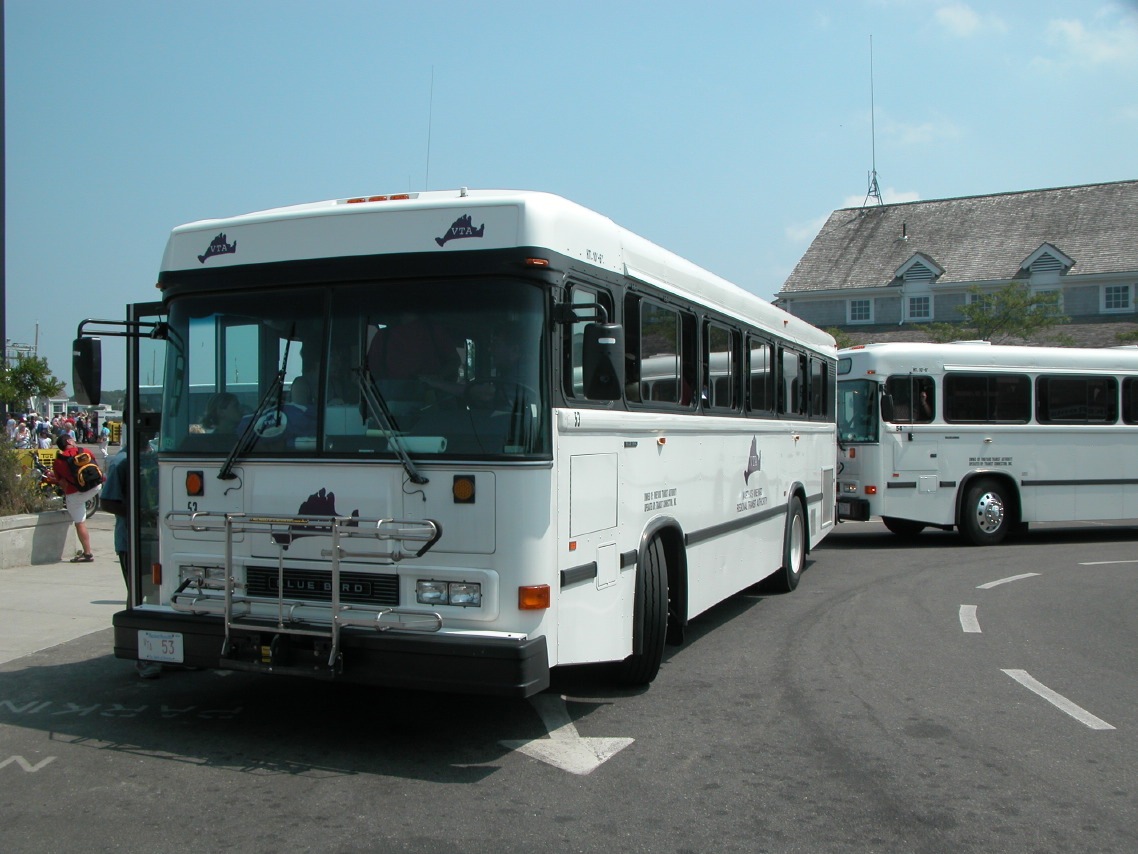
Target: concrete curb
33 539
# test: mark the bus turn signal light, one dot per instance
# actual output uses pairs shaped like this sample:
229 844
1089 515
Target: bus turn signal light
535 598
195 483
463 489
871 490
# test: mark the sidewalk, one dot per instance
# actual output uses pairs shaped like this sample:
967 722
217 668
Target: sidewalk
46 605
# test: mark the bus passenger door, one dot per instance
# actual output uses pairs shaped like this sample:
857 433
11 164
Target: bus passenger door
145 379
916 452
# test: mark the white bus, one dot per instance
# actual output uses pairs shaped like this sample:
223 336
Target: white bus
408 441
986 438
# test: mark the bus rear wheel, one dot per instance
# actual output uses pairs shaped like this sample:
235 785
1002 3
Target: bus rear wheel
984 516
651 614
905 528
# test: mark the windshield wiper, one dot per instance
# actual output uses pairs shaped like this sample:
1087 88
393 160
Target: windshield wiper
378 409
249 435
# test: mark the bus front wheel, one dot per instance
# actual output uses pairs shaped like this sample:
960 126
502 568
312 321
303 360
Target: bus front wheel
651 614
984 517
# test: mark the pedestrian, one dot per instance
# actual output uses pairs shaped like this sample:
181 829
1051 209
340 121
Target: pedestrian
75 501
114 500
23 435
104 442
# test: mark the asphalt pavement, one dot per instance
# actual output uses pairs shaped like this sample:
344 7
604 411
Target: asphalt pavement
49 604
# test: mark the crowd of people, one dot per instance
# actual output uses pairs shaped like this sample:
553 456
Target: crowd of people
33 431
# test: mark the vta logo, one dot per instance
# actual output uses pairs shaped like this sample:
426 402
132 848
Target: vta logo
754 461
461 227
322 503
218 246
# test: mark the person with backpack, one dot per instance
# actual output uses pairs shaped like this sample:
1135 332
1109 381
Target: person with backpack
66 473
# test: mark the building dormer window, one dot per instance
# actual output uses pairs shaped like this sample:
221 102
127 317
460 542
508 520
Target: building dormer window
1046 264
919 268
919 273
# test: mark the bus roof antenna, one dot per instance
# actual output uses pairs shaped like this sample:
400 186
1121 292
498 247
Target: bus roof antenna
874 191
430 121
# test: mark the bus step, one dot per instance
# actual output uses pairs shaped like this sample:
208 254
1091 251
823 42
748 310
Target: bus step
314 671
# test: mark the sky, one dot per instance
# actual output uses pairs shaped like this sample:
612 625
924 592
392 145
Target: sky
726 132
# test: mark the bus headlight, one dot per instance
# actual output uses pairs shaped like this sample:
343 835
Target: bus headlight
461 594
431 592
202 576
465 594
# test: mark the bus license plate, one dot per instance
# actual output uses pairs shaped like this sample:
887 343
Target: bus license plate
160 646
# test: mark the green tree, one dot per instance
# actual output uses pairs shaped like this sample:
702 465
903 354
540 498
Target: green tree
1011 313
27 378
841 338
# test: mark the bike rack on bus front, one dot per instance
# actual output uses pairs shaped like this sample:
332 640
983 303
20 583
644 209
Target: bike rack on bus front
294 616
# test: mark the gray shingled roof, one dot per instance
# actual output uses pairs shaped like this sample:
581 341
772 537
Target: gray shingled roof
976 238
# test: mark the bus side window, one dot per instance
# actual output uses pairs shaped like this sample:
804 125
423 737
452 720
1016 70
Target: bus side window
720 374
1076 400
821 390
926 400
792 388
633 362
1130 400
1012 399
667 354
760 383
574 383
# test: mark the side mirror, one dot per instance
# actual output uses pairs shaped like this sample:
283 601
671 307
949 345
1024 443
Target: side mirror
887 407
87 370
602 361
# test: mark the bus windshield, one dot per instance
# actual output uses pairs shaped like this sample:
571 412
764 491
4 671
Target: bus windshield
857 411
444 368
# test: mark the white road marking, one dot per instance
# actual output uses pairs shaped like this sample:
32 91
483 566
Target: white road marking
25 764
564 748
992 584
968 620
1105 562
1058 700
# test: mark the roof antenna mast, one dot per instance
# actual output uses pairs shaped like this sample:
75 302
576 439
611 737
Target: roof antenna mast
430 121
874 191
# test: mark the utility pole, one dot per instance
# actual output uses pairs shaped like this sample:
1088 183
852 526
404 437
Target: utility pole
3 212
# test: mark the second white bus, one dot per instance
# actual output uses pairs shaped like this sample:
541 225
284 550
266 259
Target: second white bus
986 438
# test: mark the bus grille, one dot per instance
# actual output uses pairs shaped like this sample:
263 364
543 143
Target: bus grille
316 585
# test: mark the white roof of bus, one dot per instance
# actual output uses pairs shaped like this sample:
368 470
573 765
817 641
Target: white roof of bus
458 220
904 357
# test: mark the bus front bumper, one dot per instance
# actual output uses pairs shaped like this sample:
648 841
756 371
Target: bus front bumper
434 662
853 509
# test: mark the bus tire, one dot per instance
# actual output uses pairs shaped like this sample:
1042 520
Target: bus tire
904 528
793 550
984 516
651 613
